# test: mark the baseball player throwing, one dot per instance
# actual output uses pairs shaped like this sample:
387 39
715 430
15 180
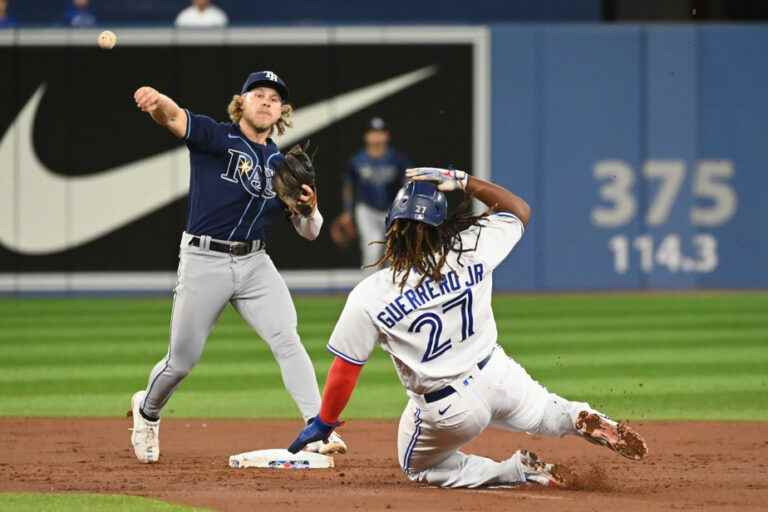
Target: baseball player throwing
222 257
431 312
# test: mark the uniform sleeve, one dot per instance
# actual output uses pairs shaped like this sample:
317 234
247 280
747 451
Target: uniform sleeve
497 237
308 227
355 335
201 134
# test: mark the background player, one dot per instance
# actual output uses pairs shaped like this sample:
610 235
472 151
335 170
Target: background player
222 256
431 311
373 176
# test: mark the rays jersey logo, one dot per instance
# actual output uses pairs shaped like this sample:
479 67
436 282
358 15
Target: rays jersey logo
255 179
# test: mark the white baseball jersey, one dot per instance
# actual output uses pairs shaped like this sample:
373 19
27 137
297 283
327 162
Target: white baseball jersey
434 331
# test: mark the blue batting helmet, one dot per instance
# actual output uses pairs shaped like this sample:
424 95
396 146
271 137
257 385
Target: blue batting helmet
420 201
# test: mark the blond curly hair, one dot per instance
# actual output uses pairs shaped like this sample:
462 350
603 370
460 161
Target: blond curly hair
235 111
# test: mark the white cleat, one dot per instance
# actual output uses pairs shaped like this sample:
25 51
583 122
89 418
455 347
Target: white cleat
619 437
334 444
539 472
146 434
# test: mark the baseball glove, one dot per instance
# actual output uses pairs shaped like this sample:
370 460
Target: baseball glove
343 230
293 172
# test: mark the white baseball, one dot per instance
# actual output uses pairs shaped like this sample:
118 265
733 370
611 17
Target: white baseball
107 40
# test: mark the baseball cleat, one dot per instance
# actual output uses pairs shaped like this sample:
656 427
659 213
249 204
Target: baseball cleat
334 444
539 472
599 429
146 434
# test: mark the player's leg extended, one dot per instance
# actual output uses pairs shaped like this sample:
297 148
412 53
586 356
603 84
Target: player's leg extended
370 227
204 286
429 442
524 405
263 300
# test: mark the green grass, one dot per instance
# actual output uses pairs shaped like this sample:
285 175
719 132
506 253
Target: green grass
85 502
666 356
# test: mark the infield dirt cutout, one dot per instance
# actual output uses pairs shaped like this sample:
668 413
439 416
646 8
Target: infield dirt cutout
691 466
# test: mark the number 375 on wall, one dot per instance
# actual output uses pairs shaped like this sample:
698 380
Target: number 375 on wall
711 183
714 203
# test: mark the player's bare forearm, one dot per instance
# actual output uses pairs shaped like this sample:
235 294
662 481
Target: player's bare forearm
499 197
489 193
167 111
163 110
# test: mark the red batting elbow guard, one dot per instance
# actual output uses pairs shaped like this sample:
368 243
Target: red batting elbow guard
341 381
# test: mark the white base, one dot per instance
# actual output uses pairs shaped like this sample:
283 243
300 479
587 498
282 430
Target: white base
280 459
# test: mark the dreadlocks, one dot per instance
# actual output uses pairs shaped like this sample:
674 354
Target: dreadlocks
412 245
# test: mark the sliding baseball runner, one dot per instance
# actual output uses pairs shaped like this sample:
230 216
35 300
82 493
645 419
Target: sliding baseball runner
430 310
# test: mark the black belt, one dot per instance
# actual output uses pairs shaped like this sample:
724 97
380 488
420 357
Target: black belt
434 396
234 248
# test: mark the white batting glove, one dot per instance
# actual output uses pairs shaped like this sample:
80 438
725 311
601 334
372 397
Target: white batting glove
446 179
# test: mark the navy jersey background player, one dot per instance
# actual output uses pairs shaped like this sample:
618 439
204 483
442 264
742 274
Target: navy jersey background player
374 175
222 257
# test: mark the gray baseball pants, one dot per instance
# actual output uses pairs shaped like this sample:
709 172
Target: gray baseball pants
207 281
370 228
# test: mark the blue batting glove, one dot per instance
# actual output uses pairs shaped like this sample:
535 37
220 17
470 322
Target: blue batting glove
315 430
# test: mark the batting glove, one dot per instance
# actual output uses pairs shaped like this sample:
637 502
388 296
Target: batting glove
446 179
316 430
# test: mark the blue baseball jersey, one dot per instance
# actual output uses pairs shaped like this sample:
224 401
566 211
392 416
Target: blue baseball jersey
230 190
376 180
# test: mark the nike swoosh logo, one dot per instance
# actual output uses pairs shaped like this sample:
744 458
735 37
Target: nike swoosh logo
43 213
443 411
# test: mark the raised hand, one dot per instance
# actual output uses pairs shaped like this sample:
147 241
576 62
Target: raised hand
446 179
147 99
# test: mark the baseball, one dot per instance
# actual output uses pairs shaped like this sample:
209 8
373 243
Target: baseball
107 40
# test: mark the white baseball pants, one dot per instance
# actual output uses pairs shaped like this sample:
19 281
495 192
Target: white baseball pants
207 281
502 395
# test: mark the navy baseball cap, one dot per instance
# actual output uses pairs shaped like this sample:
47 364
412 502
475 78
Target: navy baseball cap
266 79
420 201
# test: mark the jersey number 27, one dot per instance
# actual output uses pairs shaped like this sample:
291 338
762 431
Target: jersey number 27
436 347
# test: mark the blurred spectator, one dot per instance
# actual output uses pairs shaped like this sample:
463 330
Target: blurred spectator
80 14
6 20
202 14
373 176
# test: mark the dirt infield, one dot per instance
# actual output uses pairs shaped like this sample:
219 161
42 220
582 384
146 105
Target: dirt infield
691 466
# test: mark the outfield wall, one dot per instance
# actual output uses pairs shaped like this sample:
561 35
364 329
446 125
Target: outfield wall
643 151
640 148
